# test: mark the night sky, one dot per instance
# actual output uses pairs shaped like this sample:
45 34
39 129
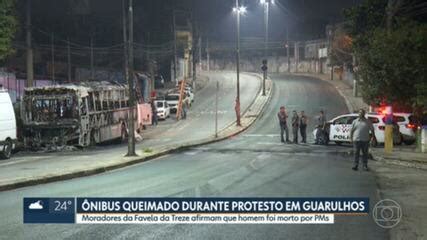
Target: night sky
306 18
101 19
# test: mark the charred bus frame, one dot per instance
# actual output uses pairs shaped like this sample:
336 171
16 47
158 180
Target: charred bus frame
75 114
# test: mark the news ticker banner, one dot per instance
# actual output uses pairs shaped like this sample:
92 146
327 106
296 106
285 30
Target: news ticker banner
191 210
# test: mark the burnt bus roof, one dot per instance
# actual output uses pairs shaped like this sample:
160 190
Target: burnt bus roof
83 87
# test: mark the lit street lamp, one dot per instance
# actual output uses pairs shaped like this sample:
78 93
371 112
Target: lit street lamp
239 10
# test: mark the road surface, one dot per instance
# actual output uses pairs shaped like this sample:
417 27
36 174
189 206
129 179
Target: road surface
253 164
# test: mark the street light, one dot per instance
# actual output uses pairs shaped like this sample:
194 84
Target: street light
266 4
239 10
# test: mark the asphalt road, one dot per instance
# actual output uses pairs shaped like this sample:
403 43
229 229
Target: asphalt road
253 164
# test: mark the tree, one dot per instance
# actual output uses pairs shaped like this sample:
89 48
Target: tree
8 26
391 49
392 65
341 48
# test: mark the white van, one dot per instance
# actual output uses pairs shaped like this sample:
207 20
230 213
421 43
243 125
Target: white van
7 125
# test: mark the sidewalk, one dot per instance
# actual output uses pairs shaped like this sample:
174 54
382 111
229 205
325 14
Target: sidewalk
44 167
401 155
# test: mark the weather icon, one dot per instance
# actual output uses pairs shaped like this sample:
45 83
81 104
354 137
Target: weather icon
36 205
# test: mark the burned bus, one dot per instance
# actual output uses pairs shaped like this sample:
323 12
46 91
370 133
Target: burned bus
77 114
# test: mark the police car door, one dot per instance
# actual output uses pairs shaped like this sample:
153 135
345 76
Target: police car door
340 129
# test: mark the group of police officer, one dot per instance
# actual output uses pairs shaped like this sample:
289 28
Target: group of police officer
359 134
298 122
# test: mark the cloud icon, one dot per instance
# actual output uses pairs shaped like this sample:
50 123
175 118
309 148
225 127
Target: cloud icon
36 205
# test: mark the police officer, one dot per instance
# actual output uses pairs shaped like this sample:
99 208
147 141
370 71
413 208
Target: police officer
283 117
303 127
321 123
295 126
359 135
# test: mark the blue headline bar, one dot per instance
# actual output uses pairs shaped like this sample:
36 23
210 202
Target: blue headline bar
222 205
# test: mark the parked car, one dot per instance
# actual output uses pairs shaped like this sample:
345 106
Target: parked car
407 127
340 127
163 109
7 125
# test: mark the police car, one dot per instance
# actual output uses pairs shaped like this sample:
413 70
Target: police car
407 126
340 127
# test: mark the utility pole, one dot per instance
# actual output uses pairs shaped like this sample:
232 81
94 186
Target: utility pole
52 50
237 107
207 56
30 69
125 41
287 48
200 53
266 13
69 60
355 76
193 49
329 33
131 125
92 73
175 57
150 65
216 108
296 55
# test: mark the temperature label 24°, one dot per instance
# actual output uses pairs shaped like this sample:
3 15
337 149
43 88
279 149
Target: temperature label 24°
49 210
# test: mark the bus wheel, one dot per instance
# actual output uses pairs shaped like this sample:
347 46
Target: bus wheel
7 149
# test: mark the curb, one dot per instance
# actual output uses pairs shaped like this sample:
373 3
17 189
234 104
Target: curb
400 162
136 160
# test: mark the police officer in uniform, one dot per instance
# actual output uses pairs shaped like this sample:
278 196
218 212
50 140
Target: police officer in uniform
321 124
295 126
303 127
359 135
283 117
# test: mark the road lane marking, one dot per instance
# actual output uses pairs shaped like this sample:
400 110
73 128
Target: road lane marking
271 143
260 135
191 153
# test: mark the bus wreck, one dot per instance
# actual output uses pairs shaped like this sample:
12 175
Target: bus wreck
78 114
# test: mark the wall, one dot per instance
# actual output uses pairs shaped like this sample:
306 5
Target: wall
276 64
16 86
